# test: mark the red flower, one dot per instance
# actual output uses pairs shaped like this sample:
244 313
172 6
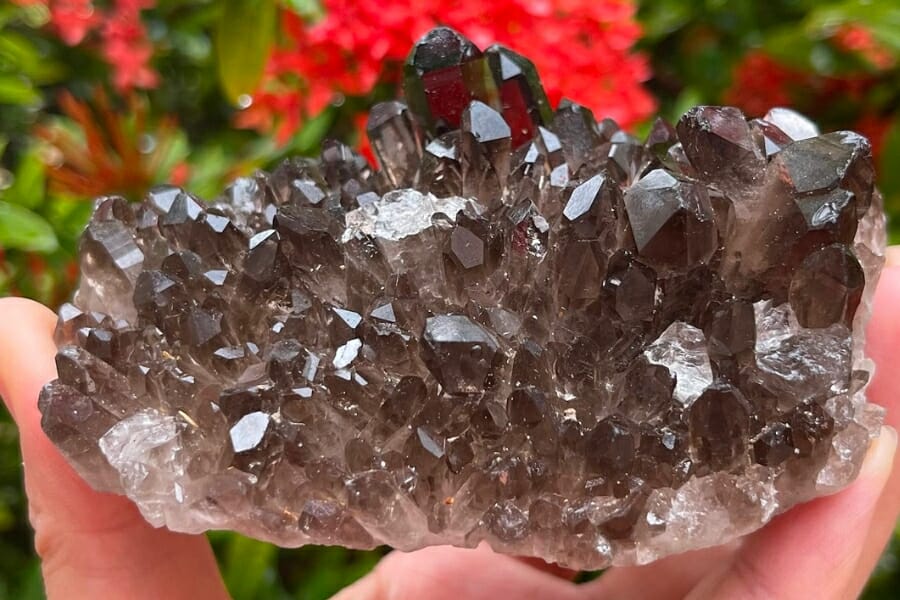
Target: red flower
771 82
362 140
124 42
37 264
180 174
582 48
73 19
126 47
874 127
853 37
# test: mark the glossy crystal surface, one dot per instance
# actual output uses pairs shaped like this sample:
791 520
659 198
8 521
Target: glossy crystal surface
526 327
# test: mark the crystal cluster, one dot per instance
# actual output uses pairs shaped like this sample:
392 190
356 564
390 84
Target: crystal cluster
526 327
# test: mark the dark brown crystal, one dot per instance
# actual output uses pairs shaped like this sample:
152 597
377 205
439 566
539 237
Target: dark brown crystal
526 327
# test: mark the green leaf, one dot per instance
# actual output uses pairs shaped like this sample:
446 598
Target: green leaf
889 177
209 167
68 216
309 10
790 46
28 186
22 229
882 19
688 98
244 35
663 17
247 568
32 583
17 90
178 150
310 136
19 56
888 33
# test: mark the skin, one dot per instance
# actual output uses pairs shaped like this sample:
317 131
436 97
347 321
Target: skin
98 546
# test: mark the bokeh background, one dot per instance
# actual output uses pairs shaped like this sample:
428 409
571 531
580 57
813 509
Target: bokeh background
112 96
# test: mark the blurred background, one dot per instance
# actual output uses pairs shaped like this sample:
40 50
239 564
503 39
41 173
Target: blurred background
112 96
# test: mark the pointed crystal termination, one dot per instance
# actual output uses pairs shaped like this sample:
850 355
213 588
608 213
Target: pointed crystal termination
396 140
526 328
719 143
523 102
445 72
485 153
672 221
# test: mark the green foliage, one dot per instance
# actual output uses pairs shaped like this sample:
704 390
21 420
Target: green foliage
19 575
254 569
248 567
22 229
882 19
885 580
696 49
889 174
23 67
245 31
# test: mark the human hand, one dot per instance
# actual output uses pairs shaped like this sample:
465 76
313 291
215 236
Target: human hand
96 545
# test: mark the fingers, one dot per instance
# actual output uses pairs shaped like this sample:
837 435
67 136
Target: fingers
883 344
672 577
92 545
842 535
883 347
812 551
37 345
551 568
445 573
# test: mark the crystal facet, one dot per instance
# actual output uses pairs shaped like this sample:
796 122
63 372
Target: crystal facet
526 328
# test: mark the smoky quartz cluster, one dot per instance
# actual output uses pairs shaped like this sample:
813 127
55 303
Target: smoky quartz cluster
525 327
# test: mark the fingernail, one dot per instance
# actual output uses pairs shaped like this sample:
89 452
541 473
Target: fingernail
880 457
892 256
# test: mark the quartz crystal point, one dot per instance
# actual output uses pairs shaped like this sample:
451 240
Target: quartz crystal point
524 327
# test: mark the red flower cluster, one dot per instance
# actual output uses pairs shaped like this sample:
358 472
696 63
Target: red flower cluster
126 46
73 19
776 84
853 37
582 49
122 37
773 84
874 127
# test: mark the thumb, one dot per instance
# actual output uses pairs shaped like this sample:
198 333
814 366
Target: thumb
92 545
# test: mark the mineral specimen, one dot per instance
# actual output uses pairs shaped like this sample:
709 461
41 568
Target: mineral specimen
526 327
